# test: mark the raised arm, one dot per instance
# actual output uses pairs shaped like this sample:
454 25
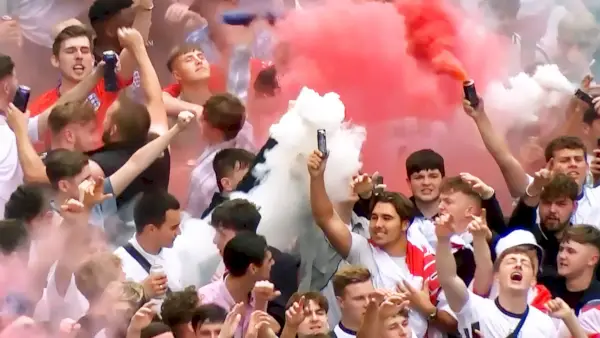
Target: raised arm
454 288
146 155
325 216
133 40
484 267
141 23
512 171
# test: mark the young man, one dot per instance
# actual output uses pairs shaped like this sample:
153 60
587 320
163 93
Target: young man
208 320
353 287
577 261
248 261
72 55
555 198
238 215
509 314
222 123
10 167
389 254
73 126
178 311
306 316
230 166
157 217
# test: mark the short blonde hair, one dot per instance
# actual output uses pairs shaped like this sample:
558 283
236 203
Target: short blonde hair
348 275
96 273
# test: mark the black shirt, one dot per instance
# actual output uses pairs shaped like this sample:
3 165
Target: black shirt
111 157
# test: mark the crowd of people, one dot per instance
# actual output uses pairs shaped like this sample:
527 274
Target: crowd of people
95 233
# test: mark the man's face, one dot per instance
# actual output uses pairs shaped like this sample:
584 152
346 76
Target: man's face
9 86
234 177
396 327
208 330
75 59
222 237
425 185
385 225
516 273
555 215
70 186
84 135
191 67
460 206
354 301
315 321
263 272
572 163
573 258
169 230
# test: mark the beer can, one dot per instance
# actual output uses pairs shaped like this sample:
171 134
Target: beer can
21 99
110 58
471 93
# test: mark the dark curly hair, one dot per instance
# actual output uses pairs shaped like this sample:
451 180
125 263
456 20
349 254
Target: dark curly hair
179 307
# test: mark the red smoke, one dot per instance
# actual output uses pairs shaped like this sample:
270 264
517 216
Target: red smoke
386 61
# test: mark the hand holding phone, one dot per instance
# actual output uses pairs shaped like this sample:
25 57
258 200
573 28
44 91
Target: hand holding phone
322 142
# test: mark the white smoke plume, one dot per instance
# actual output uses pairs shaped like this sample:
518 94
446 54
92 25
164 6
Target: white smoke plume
524 97
282 194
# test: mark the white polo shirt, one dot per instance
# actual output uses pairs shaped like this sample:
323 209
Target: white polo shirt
167 258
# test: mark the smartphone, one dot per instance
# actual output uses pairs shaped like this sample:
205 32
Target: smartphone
585 97
21 99
322 142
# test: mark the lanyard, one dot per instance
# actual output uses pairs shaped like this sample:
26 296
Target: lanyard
517 329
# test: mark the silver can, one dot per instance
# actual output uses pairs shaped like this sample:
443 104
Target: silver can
158 270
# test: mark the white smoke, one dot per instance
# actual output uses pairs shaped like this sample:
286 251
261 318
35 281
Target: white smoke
524 97
282 194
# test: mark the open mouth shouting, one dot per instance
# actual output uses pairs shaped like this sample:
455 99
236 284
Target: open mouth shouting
516 276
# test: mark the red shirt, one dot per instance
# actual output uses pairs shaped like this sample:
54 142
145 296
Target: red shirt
99 98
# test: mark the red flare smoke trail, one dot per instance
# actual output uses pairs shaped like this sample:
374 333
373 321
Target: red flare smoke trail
387 62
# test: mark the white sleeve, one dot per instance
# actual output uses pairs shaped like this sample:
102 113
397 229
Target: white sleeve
358 249
32 129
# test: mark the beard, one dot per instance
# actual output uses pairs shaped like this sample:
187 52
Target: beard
106 139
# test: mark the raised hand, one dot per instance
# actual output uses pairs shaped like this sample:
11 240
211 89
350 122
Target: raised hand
485 191
232 321
91 192
10 32
316 164
68 328
264 292
16 119
130 38
142 318
392 305
260 320
418 298
478 226
176 12
444 226
557 308
362 185
474 112
540 179
184 118
294 316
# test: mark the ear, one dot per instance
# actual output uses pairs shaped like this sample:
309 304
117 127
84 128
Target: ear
594 260
533 280
226 184
404 225
408 181
585 128
63 185
54 61
69 136
176 76
340 301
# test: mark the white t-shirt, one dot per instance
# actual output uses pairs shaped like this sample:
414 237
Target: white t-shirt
11 173
343 332
492 321
167 258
